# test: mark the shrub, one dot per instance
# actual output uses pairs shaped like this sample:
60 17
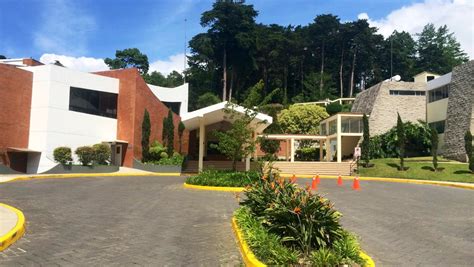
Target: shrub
266 246
224 178
176 159
434 148
146 131
85 155
63 155
101 154
365 146
308 154
155 151
468 148
333 108
302 119
303 220
270 147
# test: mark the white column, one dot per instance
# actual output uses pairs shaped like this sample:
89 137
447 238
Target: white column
255 153
339 139
292 150
321 150
287 149
328 149
247 163
202 133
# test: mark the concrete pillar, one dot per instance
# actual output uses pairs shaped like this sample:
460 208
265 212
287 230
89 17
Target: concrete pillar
321 150
247 163
202 138
339 139
292 149
287 149
328 149
255 153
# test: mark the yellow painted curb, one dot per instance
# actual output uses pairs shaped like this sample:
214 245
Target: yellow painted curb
81 175
249 258
16 232
390 180
214 188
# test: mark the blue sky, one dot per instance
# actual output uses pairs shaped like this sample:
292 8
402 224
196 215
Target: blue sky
96 28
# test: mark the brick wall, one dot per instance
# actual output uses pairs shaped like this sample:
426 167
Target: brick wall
134 97
15 106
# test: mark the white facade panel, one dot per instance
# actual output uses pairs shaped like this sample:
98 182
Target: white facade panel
176 94
52 124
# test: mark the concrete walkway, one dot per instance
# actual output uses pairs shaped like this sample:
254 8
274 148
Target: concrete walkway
8 220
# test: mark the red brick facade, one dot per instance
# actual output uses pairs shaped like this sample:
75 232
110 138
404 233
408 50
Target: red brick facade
15 106
134 97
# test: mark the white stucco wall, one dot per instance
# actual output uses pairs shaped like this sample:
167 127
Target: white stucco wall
53 125
176 94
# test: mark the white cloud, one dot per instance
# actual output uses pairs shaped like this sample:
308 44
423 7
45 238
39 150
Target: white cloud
64 28
458 15
174 62
87 64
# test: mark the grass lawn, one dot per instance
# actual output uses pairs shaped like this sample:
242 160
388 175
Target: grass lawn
419 168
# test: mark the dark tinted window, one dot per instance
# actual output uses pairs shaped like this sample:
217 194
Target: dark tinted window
438 125
407 92
438 93
174 106
93 102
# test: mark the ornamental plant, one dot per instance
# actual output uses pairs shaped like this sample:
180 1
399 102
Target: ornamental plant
468 148
85 154
63 155
401 142
102 154
434 148
146 131
365 145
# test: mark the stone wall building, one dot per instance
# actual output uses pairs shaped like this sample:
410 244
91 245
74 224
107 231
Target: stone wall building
450 106
383 100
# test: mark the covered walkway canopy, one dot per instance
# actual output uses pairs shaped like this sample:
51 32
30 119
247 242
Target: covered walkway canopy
201 118
292 137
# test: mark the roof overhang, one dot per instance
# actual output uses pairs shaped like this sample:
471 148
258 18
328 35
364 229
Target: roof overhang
293 136
19 149
217 113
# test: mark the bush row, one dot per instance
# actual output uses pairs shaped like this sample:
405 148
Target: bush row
158 155
224 178
98 154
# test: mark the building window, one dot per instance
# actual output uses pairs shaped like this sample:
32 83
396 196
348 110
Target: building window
438 93
406 92
438 125
93 102
174 106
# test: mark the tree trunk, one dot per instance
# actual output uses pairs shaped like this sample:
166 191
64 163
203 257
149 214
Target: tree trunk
224 66
285 85
321 82
340 73
351 89
231 84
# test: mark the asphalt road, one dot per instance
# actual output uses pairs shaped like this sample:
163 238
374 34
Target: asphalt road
154 221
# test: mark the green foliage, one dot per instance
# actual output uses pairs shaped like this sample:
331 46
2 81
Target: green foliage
156 151
468 148
270 147
168 133
434 147
418 141
63 155
207 99
304 221
401 136
146 131
237 142
333 108
181 129
130 57
224 178
302 119
163 155
266 246
85 154
308 154
176 160
365 146
3 57
102 154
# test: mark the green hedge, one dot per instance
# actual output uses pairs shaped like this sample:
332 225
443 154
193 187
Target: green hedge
224 178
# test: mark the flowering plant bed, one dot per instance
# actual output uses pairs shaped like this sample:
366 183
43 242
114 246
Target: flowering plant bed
284 224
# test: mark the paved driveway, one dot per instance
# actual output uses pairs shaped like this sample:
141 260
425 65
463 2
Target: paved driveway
154 221
120 220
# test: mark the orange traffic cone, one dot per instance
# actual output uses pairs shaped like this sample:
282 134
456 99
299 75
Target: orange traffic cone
293 179
339 180
356 185
317 179
314 184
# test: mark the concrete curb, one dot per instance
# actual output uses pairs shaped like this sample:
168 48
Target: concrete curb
81 175
251 260
214 188
390 180
16 232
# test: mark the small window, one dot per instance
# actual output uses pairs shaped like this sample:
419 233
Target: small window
174 106
438 125
407 92
93 102
430 77
438 93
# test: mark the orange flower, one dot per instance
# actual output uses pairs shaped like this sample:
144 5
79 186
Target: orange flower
272 185
264 177
297 210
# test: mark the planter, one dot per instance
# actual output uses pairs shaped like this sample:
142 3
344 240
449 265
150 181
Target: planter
156 168
82 169
7 170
